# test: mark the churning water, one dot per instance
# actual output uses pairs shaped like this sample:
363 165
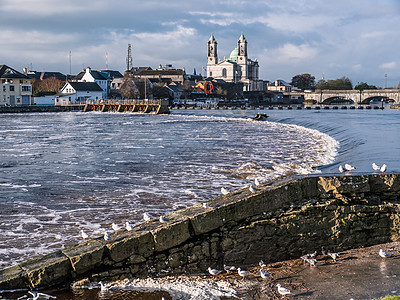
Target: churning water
63 172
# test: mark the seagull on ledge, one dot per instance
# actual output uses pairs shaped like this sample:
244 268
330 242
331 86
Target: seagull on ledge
146 217
41 296
256 182
341 170
224 191
375 167
252 189
115 227
128 226
265 274
84 235
106 237
384 254
383 168
349 167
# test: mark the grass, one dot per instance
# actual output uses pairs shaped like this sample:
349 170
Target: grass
389 298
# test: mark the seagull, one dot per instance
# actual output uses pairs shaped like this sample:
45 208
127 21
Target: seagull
313 255
311 261
262 264
375 167
229 269
84 235
384 254
349 167
115 227
383 168
242 273
256 182
341 170
213 271
282 290
252 189
106 237
333 255
128 226
163 220
265 274
146 217
224 191
205 206
40 296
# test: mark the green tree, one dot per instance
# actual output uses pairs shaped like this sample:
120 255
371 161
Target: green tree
343 83
364 86
304 81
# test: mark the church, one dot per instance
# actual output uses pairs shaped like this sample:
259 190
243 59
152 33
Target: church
237 68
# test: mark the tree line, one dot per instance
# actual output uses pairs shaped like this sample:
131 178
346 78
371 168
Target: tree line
307 82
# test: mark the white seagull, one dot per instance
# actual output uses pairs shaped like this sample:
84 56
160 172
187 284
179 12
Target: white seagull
146 217
349 167
375 167
341 170
128 226
163 219
262 264
256 182
311 261
106 237
84 235
213 271
41 296
282 290
242 273
265 274
229 269
205 205
252 189
384 254
383 168
224 191
333 255
115 227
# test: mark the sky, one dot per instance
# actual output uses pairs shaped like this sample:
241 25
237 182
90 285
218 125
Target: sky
359 39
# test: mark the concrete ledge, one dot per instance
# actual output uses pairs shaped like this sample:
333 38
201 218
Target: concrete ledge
282 220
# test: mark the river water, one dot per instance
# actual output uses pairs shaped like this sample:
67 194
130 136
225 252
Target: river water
64 172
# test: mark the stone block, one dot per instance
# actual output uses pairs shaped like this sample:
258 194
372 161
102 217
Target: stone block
385 183
85 256
48 270
171 235
345 184
13 278
136 243
206 221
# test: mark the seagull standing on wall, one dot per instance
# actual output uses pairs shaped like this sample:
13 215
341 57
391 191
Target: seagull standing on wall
128 226
41 296
224 191
349 167
106 237
84 235
341 169
375 167
146 217
115 227
256 182
252 189
383 168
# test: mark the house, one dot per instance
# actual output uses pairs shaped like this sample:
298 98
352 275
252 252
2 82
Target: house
102 80
174 91
79 92
46 75
16 88
279 86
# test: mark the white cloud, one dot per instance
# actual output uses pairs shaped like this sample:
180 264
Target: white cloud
389 65
293 52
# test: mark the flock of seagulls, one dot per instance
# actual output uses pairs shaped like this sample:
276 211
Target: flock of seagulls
375 167
115 227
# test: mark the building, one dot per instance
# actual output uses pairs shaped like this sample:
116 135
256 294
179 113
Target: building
237 68
16 88
279 86
79 92
101 78
165 74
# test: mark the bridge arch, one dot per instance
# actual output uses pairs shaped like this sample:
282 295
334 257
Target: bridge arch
337 100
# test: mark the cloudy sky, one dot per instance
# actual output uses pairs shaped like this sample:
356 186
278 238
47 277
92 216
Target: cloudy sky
359 39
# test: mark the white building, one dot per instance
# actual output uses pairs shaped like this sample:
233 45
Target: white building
89 75
237 68
279 86
78 92
16 88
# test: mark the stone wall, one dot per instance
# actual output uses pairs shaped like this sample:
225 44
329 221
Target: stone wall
282 220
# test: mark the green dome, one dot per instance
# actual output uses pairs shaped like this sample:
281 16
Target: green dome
234 55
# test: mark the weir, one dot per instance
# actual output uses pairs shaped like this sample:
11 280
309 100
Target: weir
283 219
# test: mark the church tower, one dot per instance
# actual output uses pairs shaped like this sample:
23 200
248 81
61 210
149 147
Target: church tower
212 56
242 50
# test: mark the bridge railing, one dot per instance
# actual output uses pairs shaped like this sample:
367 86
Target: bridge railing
126 101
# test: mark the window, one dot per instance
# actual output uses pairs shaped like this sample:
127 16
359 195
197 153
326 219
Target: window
210 74
21 81
26 88
224 72
4 88
11 88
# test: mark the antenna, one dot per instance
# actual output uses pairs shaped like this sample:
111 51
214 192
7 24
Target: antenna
129 58
70 57
106 60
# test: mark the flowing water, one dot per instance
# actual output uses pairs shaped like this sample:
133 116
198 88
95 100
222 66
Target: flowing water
63 172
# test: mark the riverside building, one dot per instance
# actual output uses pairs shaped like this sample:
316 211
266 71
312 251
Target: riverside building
16 88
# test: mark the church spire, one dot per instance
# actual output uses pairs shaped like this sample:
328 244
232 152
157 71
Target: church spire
212 55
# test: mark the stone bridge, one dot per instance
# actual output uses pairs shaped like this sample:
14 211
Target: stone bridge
355 96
